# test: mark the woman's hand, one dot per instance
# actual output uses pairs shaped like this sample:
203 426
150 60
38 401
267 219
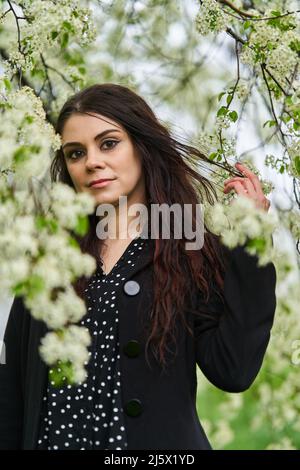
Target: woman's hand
249 186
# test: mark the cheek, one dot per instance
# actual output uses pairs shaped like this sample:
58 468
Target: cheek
132 173
75 176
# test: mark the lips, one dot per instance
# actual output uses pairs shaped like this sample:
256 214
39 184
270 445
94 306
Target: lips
100 181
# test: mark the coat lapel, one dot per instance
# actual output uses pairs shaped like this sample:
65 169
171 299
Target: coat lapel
144 259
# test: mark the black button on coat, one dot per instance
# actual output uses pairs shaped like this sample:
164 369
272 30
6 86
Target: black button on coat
160 409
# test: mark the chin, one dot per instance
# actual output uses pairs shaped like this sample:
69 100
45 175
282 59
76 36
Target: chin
103 199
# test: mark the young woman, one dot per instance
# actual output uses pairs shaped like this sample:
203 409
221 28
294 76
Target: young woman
155 310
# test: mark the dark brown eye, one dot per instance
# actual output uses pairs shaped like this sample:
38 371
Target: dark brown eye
110 142
70 155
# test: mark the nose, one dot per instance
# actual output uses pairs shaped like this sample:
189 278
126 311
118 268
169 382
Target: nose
94 160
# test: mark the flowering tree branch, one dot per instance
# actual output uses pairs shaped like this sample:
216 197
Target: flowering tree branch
251 16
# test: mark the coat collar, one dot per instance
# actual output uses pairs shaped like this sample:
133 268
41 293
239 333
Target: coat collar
145 257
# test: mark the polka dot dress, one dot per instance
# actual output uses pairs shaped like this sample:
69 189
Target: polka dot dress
90 415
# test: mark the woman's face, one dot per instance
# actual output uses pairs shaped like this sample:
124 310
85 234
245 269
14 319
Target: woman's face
96 147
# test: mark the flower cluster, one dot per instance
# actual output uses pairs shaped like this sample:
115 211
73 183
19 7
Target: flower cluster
48 28
67 348
26 137
210 18
243 89
80 203
291 221
241 223
294 153
39 258
273 43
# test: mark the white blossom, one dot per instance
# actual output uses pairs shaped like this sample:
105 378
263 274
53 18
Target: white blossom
210 18
67 345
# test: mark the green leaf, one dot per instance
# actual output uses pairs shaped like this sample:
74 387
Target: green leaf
40 222
21 154
213 155
258 243
296 126
61 374
289 100
64 40
269 123
34 148
247 24
221 95
67 25
286 118
7 84
29 119
54 34
73 242
295 45
233 116
19 289
270 46
222 111
36 285
31 287
229 99
297 164
82 225
44 223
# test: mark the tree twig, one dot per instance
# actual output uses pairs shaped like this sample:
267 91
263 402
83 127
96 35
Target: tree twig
251 16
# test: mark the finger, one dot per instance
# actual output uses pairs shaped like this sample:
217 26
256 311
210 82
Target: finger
253 178
237 186
246 183
267 204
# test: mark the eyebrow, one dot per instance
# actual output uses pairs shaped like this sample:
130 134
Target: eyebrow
69 144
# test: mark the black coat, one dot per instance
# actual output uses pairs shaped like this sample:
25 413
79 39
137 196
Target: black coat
160 409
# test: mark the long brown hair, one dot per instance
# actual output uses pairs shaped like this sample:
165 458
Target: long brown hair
171 176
